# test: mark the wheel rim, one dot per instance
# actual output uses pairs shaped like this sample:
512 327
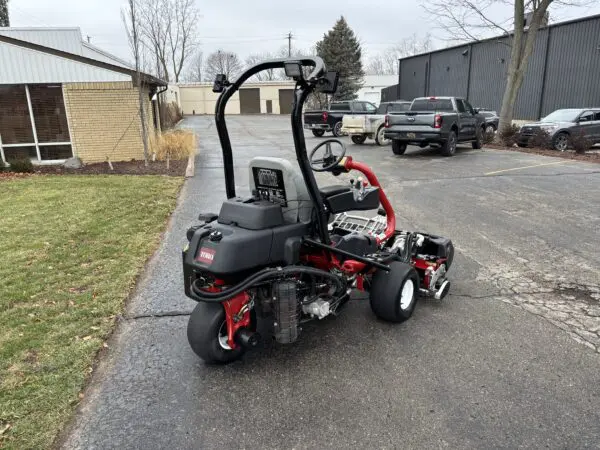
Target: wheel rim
382 140
452 144
489 129
222 337
338 128
406 297
561 142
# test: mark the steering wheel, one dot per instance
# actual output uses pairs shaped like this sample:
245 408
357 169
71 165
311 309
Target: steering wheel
329 160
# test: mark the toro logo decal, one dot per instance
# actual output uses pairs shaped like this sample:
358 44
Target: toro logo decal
206 255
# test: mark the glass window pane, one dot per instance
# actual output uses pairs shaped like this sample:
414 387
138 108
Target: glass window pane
49 113
15 124
16 153
50 152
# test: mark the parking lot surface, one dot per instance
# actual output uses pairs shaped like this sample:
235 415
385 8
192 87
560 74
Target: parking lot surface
509 359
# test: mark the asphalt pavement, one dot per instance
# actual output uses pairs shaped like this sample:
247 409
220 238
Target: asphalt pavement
509 359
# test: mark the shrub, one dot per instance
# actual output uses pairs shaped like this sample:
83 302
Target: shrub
488 137
580 142
508 135
21 165
176 144
540 139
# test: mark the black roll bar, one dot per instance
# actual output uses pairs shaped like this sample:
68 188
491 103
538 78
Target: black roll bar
302 90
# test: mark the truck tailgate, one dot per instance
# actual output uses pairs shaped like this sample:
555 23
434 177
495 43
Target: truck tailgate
353 122
313 117
413 120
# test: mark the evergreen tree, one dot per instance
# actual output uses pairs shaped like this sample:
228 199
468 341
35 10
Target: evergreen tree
341 52
4 22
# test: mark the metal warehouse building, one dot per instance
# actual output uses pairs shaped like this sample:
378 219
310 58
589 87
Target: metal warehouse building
563 71
62 97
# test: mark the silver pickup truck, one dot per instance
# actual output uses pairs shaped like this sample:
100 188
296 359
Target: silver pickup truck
437 121
361 127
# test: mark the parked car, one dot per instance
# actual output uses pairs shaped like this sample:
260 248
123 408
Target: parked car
437 121
562 124
491 119
320 122
361 127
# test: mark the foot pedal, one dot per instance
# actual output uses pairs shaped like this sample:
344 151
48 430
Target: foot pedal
443 290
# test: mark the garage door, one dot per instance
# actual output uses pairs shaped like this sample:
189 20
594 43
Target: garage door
250 101
286 98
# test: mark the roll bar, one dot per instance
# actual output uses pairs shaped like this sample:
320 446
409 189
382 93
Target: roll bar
303 88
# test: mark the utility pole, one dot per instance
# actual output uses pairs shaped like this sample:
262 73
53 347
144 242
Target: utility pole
289 38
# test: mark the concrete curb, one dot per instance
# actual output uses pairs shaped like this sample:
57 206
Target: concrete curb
190 170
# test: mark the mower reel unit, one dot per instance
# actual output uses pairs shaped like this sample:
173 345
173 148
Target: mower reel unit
291 251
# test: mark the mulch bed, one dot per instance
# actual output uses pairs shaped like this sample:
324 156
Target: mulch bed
592 156
176 168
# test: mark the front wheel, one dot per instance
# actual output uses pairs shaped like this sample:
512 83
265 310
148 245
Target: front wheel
337 129
561 142
398 147
393 294
207 334
359 139
318 133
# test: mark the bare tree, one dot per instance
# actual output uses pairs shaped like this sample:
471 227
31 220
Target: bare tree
465 20
195 71
130 18
224 62
386 63
169 27
265 75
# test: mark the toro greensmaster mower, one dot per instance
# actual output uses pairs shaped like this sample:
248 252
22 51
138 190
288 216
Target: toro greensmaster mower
289 251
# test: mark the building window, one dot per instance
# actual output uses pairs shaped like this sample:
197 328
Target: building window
33 123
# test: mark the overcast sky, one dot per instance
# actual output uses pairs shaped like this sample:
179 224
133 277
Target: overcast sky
251 26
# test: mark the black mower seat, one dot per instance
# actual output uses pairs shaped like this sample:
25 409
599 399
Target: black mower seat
328 191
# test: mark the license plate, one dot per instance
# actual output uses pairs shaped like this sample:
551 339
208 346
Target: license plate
411 135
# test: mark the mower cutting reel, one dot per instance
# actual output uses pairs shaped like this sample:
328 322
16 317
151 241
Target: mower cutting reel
292 251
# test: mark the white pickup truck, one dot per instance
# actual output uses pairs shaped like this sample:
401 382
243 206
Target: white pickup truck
361 127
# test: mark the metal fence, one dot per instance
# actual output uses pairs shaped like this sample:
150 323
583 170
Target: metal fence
563 71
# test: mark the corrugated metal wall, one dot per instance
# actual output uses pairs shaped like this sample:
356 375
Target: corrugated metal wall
572 71
390 93
449 72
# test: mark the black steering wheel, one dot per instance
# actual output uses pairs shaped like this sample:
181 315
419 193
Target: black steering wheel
329 160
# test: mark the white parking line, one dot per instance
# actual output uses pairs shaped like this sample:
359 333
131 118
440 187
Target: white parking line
527 167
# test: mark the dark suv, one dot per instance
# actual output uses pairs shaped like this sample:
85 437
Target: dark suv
562 124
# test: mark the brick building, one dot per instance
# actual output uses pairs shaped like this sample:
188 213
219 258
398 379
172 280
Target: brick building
62 97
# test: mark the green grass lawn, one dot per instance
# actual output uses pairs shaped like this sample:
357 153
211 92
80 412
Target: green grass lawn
70 250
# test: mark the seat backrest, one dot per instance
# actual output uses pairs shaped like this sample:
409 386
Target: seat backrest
280 181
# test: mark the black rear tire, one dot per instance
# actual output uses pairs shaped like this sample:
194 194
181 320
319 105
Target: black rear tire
522 145
318 133
359 139
337 129
394 294
398 147
206 324
477 143
449 146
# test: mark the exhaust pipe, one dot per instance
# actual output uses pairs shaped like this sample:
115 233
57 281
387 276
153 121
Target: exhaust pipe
247 338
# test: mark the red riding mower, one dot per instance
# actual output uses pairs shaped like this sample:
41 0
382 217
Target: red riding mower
290 252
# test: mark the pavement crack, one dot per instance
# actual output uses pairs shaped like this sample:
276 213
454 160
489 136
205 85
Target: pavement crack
156 316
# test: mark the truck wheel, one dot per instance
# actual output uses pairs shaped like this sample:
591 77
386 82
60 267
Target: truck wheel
380 137
359 139
398 147
561 142
337 129
207 334
393 294
476 144
318 133
449 147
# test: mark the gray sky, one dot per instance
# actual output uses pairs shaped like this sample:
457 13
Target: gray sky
246 26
